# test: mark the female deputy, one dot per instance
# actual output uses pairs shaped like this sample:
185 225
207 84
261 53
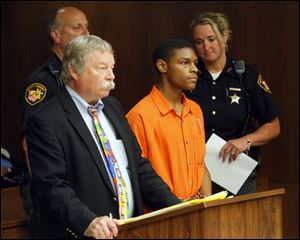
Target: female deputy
232 96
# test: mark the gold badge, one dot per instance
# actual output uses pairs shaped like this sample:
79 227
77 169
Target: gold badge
262 83
35 93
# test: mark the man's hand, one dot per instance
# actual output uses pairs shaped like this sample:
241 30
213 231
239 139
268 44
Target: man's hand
233 148
103 228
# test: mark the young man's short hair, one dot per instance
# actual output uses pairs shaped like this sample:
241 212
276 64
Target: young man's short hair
166 49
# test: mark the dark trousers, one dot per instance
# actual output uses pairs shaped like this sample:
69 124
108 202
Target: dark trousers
249 186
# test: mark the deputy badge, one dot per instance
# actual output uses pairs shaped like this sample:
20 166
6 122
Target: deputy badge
234 99
262 83
35 93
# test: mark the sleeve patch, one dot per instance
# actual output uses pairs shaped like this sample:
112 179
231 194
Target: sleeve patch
262 83
35 93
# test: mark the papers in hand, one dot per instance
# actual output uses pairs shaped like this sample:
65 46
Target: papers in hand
217 196
229 175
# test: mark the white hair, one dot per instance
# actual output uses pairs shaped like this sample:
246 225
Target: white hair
77 50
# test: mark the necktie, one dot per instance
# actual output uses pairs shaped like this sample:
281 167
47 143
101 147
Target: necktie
113 167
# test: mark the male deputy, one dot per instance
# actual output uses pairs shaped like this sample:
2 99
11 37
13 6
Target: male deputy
63 24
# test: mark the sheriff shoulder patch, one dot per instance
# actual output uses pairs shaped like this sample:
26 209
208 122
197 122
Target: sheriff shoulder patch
35 93
262 83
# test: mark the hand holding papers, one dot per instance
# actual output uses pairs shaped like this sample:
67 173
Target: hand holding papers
229 175
217 196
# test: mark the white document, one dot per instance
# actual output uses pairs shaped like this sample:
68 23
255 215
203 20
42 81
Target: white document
230 176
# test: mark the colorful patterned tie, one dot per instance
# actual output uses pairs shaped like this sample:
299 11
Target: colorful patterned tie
112 164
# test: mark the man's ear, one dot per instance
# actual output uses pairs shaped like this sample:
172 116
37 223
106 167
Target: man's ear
55 36
72 72
161 66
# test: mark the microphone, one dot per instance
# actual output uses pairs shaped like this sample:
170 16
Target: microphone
239 67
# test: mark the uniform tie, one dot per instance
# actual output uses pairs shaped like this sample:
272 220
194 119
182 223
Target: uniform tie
113 167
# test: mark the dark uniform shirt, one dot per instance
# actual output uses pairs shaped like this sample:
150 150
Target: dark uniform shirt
224 102
42 84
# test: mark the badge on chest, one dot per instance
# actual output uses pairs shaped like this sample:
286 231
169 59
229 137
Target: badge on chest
232 94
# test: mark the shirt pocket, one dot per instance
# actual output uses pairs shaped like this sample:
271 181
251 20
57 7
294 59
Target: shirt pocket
199 143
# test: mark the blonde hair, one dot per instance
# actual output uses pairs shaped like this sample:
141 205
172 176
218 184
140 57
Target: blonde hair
219 22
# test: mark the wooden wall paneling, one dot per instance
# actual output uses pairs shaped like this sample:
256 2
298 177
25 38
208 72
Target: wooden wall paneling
265 34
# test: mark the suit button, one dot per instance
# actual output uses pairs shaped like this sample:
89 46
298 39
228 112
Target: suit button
115 199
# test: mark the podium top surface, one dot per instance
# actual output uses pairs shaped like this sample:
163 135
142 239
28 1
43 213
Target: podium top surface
187 209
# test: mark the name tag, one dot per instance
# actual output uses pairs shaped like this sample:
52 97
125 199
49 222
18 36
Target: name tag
235 89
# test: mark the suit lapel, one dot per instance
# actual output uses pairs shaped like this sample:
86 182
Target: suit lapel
115 120
79 125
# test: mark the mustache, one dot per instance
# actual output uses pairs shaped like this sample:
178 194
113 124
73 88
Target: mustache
107 85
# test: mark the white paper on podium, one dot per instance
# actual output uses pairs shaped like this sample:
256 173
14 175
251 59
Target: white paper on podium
230 176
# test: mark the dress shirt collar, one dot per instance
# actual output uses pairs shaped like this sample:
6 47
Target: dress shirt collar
81 103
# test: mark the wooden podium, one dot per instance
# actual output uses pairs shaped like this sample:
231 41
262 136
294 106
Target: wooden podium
257 215
13 216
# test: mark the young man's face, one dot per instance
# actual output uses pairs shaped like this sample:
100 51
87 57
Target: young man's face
181 70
